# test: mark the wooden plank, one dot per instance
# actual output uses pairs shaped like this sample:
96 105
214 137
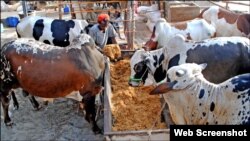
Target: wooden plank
138 132
239 3
107 99
182 11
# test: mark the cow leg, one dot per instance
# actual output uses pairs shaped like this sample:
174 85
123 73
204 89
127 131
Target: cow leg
15 103
34 103
89 103
5 103
32 99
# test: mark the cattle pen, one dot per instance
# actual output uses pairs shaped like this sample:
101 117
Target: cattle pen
150 134
63 119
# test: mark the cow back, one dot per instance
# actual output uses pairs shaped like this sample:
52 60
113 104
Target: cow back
51 72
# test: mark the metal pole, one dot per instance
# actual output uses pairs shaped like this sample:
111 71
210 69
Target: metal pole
24 4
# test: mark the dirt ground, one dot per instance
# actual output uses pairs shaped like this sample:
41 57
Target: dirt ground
59 120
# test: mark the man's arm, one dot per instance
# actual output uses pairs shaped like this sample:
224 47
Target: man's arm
112 34
113 40
92 34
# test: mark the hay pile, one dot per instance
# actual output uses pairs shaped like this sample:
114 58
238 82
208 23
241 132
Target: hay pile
113 51
133 107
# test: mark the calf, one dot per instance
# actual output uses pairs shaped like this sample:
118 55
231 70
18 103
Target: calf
51 72
50 31
197 30
194 100
225 56
227 23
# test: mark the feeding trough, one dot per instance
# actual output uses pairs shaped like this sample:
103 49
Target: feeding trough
143 134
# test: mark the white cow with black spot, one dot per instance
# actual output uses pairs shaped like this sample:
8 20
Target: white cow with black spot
225 57
194 100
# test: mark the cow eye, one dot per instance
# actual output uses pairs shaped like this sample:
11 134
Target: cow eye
137 68
180 73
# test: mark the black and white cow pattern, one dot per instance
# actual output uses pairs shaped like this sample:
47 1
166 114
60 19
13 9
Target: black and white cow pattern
202 102
225 56
51 31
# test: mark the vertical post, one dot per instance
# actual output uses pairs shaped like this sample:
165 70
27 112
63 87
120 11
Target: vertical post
72 11
226 5
80 8
133 24
164 10
24 4
130 25
60 9
125 23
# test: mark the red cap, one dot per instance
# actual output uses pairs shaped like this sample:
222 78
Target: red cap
103 17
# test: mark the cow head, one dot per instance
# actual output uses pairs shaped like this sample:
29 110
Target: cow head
147 68
180 77
157 39
139 69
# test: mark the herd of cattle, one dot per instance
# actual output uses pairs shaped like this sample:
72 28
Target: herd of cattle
62 59
223 44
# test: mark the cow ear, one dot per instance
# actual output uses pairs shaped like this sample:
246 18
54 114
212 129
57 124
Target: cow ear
203 66
144 55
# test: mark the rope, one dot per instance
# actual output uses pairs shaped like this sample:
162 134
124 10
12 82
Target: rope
159 114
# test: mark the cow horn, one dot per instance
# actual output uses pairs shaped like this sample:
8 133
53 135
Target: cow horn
163 88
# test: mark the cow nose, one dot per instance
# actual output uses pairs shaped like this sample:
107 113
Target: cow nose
130 84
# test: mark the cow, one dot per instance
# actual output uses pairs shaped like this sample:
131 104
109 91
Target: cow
225 56
50 72
197 30
150 13
227 23
194 100
6 7
50 31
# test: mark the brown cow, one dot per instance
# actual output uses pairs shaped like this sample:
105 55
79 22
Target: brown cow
51 72
227 23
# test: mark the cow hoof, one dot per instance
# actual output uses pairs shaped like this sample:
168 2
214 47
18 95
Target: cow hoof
9 124
38 108
16 107
46 103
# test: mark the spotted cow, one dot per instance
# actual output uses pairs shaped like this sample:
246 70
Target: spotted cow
50 31
225 56
227 23
197 30
202 102
50 72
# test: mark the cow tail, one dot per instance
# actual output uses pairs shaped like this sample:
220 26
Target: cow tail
18 35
